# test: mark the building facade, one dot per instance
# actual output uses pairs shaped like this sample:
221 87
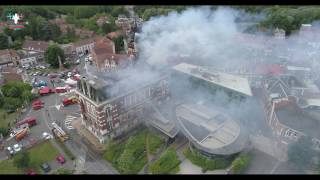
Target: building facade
111 117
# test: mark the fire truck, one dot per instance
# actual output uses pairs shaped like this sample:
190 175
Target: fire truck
70 100
59 133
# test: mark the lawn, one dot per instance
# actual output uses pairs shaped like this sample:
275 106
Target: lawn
41 153
6 118
168 163
207 163
129 157
155 142
7 167
44 152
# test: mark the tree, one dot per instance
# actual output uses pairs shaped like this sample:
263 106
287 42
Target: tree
4 43
119 44
11 103
301 152
108 27
52 53
22 160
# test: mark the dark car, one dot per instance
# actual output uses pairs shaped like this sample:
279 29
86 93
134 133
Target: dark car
45 167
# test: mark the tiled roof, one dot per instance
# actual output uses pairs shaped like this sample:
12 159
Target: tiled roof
35 45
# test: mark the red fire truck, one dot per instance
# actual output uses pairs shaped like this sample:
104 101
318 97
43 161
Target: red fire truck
31 121
70 100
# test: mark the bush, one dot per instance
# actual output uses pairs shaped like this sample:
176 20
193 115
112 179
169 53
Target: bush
207 163
241 163
133 157
168 163
155 142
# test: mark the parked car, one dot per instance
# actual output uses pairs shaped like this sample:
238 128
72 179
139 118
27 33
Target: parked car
10 150
61 159
17 148
45 167
46 135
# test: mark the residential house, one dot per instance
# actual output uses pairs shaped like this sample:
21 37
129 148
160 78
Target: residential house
104 56
83 46
12 74
28 58
36 46
8 56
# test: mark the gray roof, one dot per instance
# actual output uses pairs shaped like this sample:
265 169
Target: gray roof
232 82
210 130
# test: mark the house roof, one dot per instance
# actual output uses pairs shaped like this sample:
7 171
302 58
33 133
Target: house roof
234 83
100 58
40 46
83 42
10 52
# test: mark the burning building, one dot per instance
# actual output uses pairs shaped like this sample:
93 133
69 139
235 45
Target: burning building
110 108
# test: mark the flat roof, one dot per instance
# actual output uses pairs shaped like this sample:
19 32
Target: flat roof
232 82
210 130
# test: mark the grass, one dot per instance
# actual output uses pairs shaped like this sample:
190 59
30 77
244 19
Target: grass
155 142
129 157
7 167
41 153
168 163
66 150
206 163
44 152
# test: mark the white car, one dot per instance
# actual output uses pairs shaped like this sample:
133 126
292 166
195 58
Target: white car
78 61
86 59
46 135
10 150
17 147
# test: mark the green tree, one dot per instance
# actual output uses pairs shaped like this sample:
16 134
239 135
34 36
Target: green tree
11 103
4 43
301 152
22 160
52 55
119 44
108 27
